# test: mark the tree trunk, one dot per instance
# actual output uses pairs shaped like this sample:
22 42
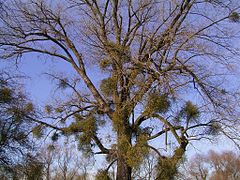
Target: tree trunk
123 170
48 172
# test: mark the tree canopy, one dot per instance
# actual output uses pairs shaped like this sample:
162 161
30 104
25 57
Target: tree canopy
167 72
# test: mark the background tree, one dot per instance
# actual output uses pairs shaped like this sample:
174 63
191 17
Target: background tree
213 166
48 156
64 161
30 168
154 57
68 164
226 165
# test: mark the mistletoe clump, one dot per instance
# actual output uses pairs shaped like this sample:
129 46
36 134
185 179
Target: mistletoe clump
102 175
158 103
107 86
5 95
234 17
190 111
136 154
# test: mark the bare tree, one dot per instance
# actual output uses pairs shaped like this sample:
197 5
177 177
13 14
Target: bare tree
64 162
197 168
156 56
226 165
213 166
48 158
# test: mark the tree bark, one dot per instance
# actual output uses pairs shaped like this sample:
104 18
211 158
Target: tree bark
123 170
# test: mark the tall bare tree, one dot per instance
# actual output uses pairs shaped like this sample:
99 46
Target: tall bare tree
48 156
63 161
155 55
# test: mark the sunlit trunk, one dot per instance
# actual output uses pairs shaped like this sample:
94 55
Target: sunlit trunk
124 171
